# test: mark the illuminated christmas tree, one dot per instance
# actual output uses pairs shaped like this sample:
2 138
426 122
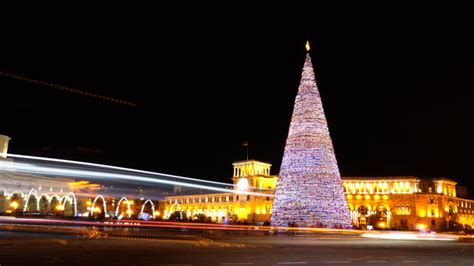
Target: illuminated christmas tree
309 191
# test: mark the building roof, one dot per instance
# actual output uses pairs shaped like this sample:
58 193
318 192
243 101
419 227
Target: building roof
377 177
250 162
395 178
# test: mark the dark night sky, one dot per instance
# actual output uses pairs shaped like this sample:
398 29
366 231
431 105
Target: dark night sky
398 96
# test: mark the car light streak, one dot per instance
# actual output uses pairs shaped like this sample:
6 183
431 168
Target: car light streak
112 167
174 225
410 236
34 169
251 227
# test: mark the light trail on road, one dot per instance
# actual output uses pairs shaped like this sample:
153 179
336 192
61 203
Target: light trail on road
410 236
387 235
174 225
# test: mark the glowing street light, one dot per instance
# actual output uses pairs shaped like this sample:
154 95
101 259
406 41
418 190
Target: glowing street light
14 205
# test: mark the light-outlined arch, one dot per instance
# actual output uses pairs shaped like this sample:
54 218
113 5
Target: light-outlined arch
152 207
104 205
55 196
28 199
42 207
72 196
55 199
48 197
172 210
129 211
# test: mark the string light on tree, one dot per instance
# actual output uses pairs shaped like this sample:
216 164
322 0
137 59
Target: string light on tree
309 191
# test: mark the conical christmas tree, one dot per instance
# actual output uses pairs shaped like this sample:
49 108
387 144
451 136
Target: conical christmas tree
309 191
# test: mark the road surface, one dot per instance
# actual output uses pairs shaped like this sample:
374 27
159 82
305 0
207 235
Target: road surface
160 247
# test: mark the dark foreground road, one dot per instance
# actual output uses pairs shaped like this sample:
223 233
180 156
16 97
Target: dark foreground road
153 247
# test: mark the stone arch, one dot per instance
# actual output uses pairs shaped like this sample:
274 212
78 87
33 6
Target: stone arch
363 208
152 207
129 211
361 215
380 215
381 204
104 205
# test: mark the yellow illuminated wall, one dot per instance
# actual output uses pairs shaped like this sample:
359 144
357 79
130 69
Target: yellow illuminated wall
385 202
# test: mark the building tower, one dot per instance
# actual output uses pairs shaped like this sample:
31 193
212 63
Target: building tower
4 146
309 191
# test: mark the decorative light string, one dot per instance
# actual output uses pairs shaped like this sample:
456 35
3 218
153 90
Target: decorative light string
64 88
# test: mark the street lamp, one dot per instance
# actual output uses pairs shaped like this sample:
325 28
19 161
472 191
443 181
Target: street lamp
14 205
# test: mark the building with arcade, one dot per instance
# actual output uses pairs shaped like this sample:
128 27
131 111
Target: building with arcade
248 176
399 202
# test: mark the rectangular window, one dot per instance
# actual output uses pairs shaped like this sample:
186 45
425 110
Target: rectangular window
248 197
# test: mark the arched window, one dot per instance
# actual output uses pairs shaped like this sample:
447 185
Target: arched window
362 210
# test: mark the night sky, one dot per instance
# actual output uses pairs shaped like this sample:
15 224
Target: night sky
398 96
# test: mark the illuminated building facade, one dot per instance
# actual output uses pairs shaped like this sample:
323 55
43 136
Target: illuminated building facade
4 140
311 192
29 193
408 202
32 194
402 202
248 176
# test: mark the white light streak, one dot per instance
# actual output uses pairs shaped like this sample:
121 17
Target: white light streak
104 204
409 236
152 207
129 211
31 168
113 167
